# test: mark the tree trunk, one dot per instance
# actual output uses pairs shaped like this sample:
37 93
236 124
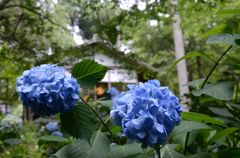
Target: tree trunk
180 52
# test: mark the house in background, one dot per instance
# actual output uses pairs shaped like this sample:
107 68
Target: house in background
117 72
124 68
117 75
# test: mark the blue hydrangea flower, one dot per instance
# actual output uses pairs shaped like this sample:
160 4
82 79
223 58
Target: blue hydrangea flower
113 91
57 133
147 113
11 122
48 89
52 126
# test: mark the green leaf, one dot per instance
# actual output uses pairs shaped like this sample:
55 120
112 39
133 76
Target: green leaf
169 152
199 136
224 39
187 126
233 105
78 149
115 129
88 73
234 62
229 153
100 145
105 103
190 55
49 138
133 150
97 148
79 122
221 111
44 120
12 141
196 83
221 91
229 11
193 116
221 134
180 132
216 30
200 155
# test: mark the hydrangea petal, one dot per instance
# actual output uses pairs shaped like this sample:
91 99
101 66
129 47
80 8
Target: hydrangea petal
147 112
48 90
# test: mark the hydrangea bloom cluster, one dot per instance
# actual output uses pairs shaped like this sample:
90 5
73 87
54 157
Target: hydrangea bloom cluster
10 121
57 133
51 126
113 91
48 89
147 113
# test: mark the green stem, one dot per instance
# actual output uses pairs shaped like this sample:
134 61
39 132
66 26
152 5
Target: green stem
158 151
186 143
234 112
215 65
194 107
236 95
209 75
103 123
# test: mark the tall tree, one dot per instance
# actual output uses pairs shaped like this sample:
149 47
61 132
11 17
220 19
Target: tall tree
180 52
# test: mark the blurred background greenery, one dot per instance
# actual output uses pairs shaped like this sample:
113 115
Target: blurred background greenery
139 33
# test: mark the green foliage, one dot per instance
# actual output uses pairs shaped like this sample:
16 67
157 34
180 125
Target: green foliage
132 150
229 11
78 149
79 122
48 138
224 39
97 148
180 133
21 143
196 83
169 152
222 133
221 111
201 118
29 29
221 91
88 73
105 103
99 141
187 126
234 153
190 55
12 141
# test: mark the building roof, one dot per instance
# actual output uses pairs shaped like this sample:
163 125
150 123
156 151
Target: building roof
109 50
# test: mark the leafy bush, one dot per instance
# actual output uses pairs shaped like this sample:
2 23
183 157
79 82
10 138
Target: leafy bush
147 113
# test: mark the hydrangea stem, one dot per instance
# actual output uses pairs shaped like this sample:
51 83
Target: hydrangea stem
158 151
186 143
103 123
194 108
236 95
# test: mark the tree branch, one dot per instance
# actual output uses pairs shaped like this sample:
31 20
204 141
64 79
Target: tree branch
17 23
3 3
34 12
